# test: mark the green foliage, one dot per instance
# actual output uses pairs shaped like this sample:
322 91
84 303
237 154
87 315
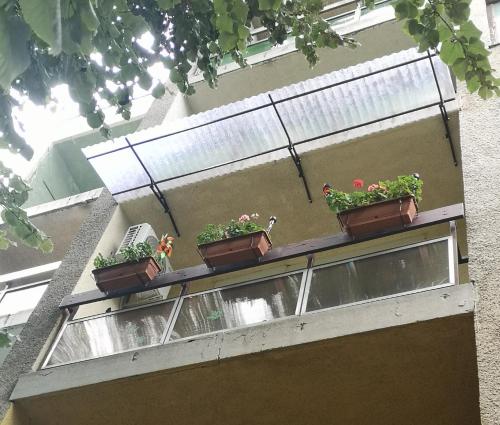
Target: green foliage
6 338
13 194
129 254
447 22
47 43
339 201
243 226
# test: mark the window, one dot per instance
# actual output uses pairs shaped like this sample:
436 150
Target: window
112 333
380 275
494 19
238 306
16 305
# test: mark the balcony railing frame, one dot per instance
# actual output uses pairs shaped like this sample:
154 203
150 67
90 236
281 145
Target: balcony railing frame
302 298
290 145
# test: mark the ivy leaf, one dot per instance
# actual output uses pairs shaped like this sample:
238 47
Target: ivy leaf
451 51
44 18
14 55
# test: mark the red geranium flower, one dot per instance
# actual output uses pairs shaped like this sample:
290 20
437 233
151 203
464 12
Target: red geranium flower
358 183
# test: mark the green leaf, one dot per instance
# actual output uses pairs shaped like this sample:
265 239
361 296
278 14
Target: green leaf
227 41
14 56
240 11
44 18
167 4
158 91
145 81
473 83
405 9
459 68
243 32
265 5
46 246
413 27
444 31
175 76
225 23
485 92
451 51
95 119
469 30
88 15
220 6
459 12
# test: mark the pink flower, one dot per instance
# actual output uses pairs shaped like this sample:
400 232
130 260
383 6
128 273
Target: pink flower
244 218
372 187
358 183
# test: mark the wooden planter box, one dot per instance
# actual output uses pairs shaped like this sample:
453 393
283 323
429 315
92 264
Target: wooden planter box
119 277
378 217
235 250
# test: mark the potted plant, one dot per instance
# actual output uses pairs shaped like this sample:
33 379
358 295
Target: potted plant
385 205
132 267
238 241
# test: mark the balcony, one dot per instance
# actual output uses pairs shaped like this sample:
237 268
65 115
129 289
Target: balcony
380 325
376 276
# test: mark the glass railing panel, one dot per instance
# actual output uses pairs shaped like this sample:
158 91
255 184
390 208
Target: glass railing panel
112 333
380 275
238 306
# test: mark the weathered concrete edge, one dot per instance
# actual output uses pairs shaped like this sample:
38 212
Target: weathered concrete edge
44 318
324 325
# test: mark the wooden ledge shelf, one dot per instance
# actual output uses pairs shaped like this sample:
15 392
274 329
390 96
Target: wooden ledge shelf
304 248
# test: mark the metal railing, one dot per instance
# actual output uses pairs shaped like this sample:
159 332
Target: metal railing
406 269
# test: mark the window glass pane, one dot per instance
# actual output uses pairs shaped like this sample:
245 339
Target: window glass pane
16 306
238 306
7 338
379 276
112 334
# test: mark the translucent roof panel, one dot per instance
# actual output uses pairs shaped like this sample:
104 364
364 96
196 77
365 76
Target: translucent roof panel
330 103
120 170
213 144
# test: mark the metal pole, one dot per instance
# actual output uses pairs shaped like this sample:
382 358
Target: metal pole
442 108
293 152
156 190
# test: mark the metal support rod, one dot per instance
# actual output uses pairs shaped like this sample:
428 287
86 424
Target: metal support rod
155 189
293 152
444 114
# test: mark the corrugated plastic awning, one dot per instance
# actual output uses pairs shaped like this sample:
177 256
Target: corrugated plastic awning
329 104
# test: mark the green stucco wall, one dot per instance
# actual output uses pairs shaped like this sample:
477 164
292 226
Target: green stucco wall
64 170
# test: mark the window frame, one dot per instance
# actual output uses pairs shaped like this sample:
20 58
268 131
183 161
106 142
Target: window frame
452 272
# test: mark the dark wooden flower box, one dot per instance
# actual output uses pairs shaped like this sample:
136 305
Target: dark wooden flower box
235 250
378 217
119 277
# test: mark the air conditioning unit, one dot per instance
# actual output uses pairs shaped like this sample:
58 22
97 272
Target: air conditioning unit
144 233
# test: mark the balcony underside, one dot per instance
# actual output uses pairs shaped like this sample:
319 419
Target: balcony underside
406 360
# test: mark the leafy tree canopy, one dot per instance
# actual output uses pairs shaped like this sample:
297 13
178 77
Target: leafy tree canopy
93 47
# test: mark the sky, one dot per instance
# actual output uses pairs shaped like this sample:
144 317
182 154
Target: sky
44 125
